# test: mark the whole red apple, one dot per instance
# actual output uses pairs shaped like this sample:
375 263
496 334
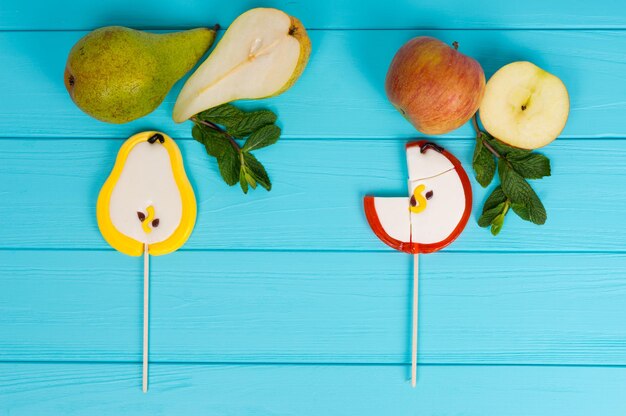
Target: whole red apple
434 86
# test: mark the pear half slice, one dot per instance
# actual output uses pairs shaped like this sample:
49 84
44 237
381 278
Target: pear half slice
262 54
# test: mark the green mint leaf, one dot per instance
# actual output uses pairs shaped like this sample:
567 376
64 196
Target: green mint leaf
251 122
497 223
489 215
519 192
229 164
496 198
242 180
521 210
214 141
216 147
263 137
495 209
251 180
197 133
513 184
484 164
226 115
218 128
536 211
256 170
530 166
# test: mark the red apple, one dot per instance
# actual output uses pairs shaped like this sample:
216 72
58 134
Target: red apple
434 86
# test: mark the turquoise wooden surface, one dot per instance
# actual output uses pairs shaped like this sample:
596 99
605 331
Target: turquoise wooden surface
315 307
183 389
319 14
284 303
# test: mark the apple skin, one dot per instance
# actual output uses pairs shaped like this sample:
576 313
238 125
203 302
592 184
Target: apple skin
435 87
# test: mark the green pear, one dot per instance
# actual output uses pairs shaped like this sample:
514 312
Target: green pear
117 74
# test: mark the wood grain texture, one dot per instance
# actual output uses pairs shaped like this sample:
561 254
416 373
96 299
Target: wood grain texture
273 285
341 93
49 190
207 390
326 14
315 307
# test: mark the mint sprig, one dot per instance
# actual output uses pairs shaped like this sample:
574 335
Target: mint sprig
220 130
514 193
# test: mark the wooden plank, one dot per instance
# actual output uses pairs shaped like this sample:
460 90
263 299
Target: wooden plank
489 14
340 95
314 307
88 389
49 189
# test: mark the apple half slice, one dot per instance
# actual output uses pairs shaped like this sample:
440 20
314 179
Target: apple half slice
437 209
524 106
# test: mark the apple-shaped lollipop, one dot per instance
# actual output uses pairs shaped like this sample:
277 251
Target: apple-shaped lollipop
437 208
431 217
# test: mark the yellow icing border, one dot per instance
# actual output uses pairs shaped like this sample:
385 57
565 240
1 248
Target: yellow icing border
128 245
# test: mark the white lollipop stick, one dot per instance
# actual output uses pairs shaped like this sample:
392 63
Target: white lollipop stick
146 308
414 343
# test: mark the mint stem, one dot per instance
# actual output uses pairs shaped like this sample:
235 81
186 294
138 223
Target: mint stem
491 149
218 128
479 133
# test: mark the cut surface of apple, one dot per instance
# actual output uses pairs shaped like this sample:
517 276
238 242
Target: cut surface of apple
524 105
262 54
437 209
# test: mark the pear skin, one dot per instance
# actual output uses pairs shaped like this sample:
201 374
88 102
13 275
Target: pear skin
298 31
116 74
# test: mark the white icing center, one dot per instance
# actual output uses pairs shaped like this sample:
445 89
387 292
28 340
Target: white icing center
426 165
393 214
444 209
146 180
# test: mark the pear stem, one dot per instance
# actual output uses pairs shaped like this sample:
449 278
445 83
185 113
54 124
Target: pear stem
479 132
219 129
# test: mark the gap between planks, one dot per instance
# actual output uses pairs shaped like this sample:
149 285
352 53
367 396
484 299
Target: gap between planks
300 364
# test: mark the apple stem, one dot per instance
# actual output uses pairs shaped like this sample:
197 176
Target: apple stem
219 129
479 132
456 45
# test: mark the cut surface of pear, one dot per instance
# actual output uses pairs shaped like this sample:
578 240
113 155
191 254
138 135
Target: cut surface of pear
262 54
524 105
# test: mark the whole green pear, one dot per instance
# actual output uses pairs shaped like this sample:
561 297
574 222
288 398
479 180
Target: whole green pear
117 74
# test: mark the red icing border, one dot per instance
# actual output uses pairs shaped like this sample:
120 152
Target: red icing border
415 248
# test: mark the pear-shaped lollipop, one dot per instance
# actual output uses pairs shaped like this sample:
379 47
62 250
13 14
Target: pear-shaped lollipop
147 206
431 217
